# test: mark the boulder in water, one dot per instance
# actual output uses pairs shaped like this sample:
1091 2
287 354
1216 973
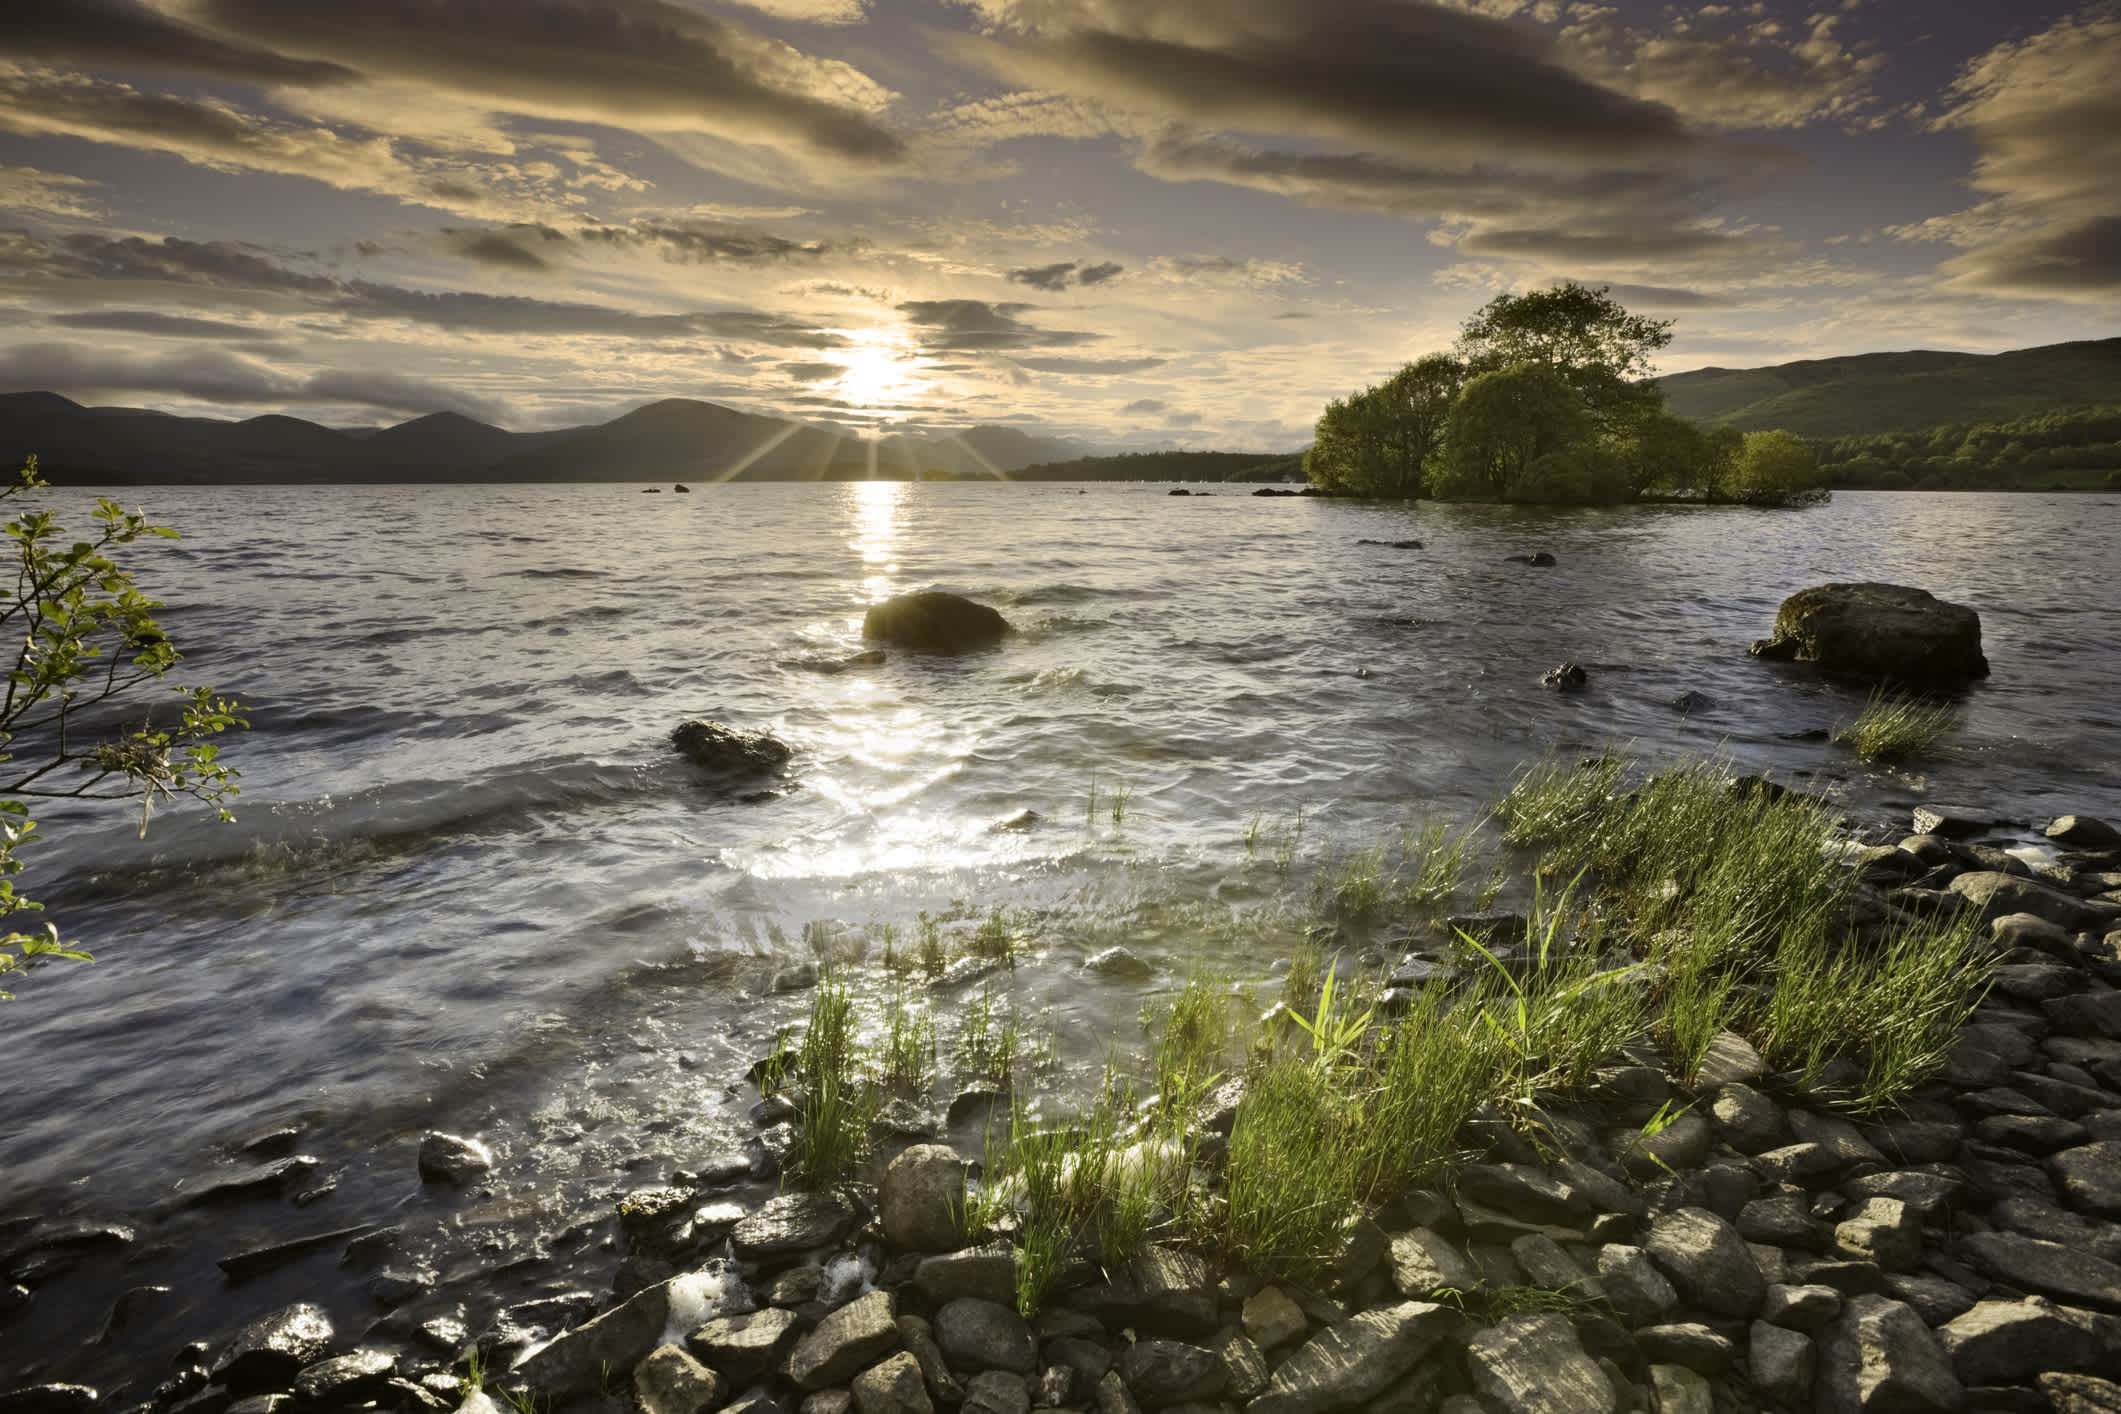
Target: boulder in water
1882 632
932 621
727 751
1567 677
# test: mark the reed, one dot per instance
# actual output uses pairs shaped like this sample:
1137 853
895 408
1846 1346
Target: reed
1897 726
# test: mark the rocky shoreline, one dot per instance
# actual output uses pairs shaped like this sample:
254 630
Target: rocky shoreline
1720 1241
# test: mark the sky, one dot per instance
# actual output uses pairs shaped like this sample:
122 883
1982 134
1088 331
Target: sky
1142 223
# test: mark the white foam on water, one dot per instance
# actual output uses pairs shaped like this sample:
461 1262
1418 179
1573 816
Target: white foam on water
698 1297
847 1276
478 1402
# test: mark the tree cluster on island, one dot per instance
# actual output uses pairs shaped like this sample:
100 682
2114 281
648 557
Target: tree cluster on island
1546 397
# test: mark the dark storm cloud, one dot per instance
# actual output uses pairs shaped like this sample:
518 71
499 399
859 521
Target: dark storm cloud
222 265
975 326
147 321
1386 75
511 248
119 33
1092 367
1100 274
218 376
627 62
2084 258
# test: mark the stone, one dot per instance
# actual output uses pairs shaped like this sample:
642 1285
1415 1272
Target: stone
987 1272
574 1362
50 1399
922 1199
2032 1265
980 1335
1928 1194
919 1339
1271 1318
1782 1362
1707 1261
269 1352
1878 632
2083 832
793 1222
1878 1356
1565 677
1884 1230
1784 1219
2089 1177
1747 1120
2080 1394
1423 1264
1679 1390
931 621
1633 1286
2003 1342
1729 1060
1680 1145
1793 1163
745 1347
451 1158
827 1401
2053 1224
1997 895
1354 1360
1687 1343
850 1339
1166 1290
726 751
751 1401
345 1380
1160 1372
2030 1134
1936 1299
669 1381
892 1385
1247 1367
1836 1135
999 1392
1546 1265
1536 1364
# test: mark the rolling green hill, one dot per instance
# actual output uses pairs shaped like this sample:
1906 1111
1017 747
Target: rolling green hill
1897 392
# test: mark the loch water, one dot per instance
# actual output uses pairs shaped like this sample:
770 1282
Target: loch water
471 887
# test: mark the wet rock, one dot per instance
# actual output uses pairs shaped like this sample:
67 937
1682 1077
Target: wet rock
270 1351
1878 632
2003 1342
1691 701
985 1335
346 1380
725 751
133 1305
1783 1363
1118 962
1632 1284
59 1249
987 1272
922 1199
1707 1261
850 1339
1567 677
892 1385
1879 1356
931 621
575 1361
1271 1318
794 1222
451 1158
2083 832
1160 1372
999 1392
1541 559
2049 1267
266 1180
1536 1364
746 1347
1353 1360
242 1266
50 1399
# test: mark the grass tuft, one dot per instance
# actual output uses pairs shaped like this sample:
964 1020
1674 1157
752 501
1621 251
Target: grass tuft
1895 727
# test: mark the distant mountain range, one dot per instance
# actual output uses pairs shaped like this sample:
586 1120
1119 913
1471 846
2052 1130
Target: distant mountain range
673 440
1900 392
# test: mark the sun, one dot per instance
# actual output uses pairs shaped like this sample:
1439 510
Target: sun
880 367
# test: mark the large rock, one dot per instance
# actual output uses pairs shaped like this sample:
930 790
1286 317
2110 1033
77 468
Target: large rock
2003 1342
2089 1177
1162 1372
748 1346
2033 1265
671 1382
980 1335
988 1272
922 1199
1879 632
1354 1360
1879 1358
1998 895
575 1363
793 1222
451 1158
892 1386
1783 1363
846 1342
1423 1264
727 751
1536 1364
934 622
1707 1260
270 1351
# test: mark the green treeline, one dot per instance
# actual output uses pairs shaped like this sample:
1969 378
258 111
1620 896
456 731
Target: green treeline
2074 448
1545 397
1159 466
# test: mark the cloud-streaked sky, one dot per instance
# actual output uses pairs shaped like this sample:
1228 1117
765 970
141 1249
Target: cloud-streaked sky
1143 222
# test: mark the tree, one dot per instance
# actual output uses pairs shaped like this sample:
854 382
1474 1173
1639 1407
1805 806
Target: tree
1667 453
1379 442
1504 422
1603 351
88 637
1774 466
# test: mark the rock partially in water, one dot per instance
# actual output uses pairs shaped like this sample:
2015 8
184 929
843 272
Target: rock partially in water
1541 558
725 751
451 1158
269 1352
1690 702
1878 632
793 1222
931 621
1566 677
50 1399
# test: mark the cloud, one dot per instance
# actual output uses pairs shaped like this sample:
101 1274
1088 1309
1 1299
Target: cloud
706 242
214 375
49 193
148 321
975 326
518 247
2045 115
1144 407
1100 274
648 65
1045 277
1667 297
125 34
1754 77
1091 367
813 372
816 12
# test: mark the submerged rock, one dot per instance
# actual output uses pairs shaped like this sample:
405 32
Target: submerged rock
1882 632
1565 678
932 621
727 751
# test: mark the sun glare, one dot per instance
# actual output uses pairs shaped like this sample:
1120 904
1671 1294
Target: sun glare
880 367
